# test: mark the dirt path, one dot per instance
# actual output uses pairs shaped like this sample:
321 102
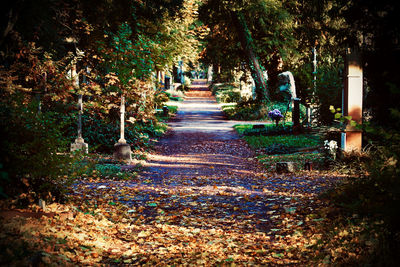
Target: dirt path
203 198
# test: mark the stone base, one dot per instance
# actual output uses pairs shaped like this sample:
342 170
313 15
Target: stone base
80 146
282 167
122 151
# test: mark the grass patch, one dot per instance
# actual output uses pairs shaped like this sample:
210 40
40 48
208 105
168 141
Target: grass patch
296 141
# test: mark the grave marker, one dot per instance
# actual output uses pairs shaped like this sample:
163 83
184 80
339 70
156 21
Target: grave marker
122 150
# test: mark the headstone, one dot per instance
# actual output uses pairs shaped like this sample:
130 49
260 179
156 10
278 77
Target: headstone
122 150
286 85
352 101
284 167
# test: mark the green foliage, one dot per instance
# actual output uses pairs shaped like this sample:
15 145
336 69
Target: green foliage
249 29
101 134
370 198
328 91
32 150
295 141
160 98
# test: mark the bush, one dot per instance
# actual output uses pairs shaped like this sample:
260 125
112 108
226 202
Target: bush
369 200
328 92
101 134
160 98
33 152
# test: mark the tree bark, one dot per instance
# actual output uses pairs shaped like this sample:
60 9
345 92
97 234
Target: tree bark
262 93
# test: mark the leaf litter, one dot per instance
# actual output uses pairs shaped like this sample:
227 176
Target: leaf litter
199 201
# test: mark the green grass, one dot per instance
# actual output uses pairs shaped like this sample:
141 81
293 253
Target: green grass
301 140
269 161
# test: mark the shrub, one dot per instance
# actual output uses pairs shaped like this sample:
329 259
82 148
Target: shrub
101 134
33 152
328 92
160 98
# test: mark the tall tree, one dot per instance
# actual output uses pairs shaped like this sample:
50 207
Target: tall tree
254 31
253 62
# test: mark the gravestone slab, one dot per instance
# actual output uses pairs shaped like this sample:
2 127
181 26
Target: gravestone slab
286 85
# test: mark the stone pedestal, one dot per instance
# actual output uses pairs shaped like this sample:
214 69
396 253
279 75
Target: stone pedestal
80 144
122 151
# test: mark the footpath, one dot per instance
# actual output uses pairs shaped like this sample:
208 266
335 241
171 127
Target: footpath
204 199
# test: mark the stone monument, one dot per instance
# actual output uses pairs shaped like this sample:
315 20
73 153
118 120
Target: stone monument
79 143
122 150
286 85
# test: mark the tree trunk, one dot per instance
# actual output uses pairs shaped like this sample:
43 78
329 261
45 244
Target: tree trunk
262 93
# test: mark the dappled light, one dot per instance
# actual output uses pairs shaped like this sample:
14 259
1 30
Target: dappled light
199 133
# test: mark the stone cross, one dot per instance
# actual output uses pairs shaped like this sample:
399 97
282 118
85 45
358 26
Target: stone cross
352 101
80 112
122 124
79 143
122 150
